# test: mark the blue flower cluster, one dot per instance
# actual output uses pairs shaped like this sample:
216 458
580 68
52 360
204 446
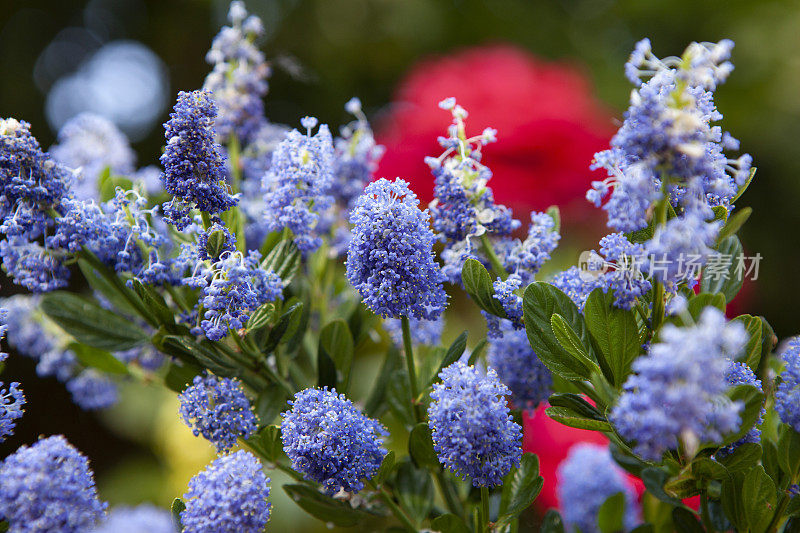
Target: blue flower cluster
194 165
330 441
741 374
11 408
586 479
519 369
48 487
678 389
93 144
473 432
356 156
32 187
298 184
390 260
576 283
423 332
232 287
218 409
143 518
238 80
787 396
92 390
229 495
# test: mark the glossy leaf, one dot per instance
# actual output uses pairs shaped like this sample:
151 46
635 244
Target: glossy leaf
478 284
614 332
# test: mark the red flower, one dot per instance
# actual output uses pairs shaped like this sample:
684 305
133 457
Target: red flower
549 125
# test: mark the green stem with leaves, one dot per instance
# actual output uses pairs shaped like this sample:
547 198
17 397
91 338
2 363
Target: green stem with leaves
412 373
497 265
485 510
660 215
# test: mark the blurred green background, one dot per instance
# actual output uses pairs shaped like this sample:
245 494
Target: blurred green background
324 52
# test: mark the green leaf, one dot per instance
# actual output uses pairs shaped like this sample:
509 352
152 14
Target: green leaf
614 332
744 457
177 507
414 490
385 470
107 185
180 375
703 300
336 342
478 284
282 330
789 450
420 447
478 351
570 418
552 522
752 352
283 259
734 223
731 497
99 359
267 443
570 341
449 523
745 185
555 214
728 278
520 488
261 317
269 403
611 513
540 302
324 507
707 468
203 353
685 521
576 403
753 400
90 324
758 498
154 302
376 402
114 293
452 355
654 480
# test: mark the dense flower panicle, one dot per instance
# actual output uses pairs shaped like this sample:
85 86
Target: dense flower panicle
473 431
678 390
423 332
525 258
194 166
48 487
787 395
390 259
624 262
218 409
586 479
678 250
239 77
463 205
356 156
741 374
667 141
520 369
298 184
92 143
235 285
143 518
229 495
11 402
32 187
330 441
576 284
92 390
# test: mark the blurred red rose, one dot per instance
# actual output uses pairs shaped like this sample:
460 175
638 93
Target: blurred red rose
549 125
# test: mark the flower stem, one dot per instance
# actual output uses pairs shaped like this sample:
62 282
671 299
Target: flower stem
705 515
497 266
412 374
485 509
658 287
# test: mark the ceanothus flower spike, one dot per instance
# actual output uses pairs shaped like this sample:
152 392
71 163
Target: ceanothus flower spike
390 259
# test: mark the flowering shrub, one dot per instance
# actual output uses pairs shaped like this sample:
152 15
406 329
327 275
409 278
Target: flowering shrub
273 259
